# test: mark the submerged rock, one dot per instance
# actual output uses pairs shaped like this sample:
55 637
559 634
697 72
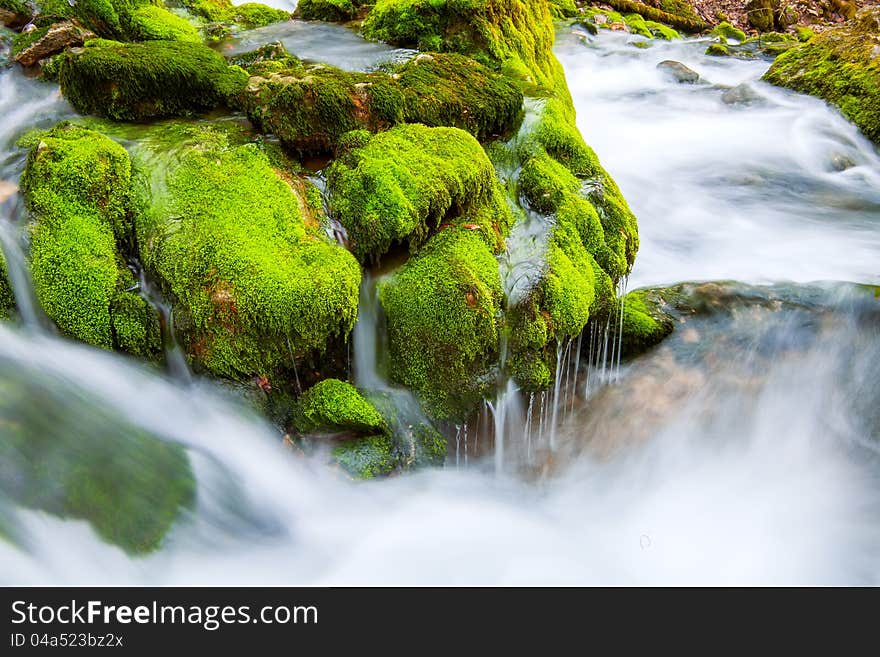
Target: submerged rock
72 456
678 72
741 94
137 81
841 66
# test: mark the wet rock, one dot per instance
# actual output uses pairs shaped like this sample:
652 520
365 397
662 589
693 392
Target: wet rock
679 72
760 13
837 162
717 50
53 41
741 94
14 14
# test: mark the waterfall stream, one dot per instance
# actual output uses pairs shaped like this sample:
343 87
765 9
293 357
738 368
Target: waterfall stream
746 449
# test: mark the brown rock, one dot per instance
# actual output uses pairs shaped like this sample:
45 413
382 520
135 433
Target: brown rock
12 19
60 36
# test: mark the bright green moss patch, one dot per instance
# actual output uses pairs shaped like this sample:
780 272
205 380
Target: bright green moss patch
136 81
443 310
408 181
840 66
645 324
333 11
150 23
366 458
77 185
252 15
334 405
717 50
255 289
456 91
677 13
725 30
212 10
72 457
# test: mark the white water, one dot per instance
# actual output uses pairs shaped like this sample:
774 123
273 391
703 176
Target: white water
776 483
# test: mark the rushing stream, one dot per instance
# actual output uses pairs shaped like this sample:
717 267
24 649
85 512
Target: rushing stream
744 450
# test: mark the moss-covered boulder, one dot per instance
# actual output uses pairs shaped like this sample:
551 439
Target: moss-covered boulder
457 91
256 288
72 456
443 309
841 66
725 30
137 81
78 186
404 183
153 23
31 47
333 405
645 322
309 108
333 11
372 434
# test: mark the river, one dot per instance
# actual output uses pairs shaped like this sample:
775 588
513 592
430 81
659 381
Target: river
743 451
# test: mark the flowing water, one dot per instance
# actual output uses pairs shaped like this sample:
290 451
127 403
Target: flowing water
743 450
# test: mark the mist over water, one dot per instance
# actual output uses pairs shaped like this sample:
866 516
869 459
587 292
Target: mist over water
745 450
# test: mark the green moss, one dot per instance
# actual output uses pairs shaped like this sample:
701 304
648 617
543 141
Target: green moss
24 40
840 66
661 31
443 310
725 30
19 7
562 8
366 458
255 289
252 15
212 10
77 185
456 91
804 33
333 11
637 25
136 81
645 324
72 457
515 36
7 298
408 181
717 50
334 405
308 109
150 22
677 13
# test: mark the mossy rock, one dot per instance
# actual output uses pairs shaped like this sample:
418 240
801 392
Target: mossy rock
645 323
153 23
375 433
332 11
406 182
725 31
78 187
73 457
256 288
717 50
514 36
457 91
14 14
443 312
839 65
137 81
309 108
334 405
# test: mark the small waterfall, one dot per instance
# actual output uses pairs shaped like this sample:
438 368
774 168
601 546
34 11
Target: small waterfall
18 271
175 359
366 335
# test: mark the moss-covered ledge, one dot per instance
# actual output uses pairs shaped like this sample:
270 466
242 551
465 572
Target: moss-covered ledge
840 65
